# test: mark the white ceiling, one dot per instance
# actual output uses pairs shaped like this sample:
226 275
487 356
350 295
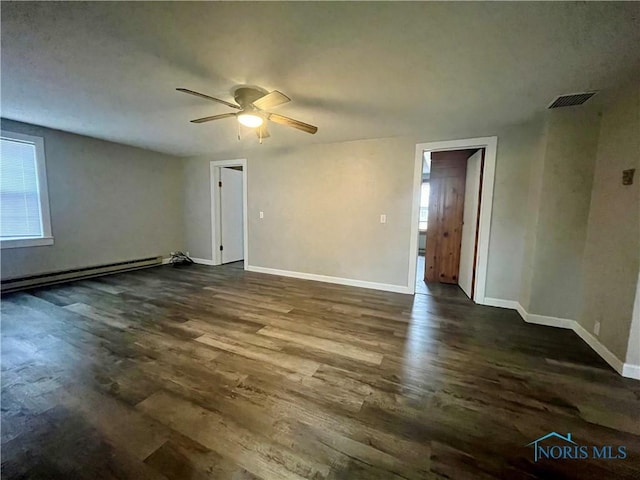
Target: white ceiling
356 70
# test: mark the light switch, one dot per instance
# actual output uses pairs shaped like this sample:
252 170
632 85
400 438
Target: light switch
261 214
383 218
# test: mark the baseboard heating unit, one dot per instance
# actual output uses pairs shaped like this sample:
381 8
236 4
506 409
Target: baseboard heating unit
41 279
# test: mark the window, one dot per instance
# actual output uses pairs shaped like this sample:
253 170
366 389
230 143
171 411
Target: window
24 201
424 207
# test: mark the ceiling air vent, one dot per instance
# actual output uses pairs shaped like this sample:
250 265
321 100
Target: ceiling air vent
571 100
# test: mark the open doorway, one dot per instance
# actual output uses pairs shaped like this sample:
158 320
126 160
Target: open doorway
229 211
423 221
453 195
448 223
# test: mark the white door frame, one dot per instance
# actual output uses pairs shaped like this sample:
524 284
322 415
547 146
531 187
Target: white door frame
490 144
215 167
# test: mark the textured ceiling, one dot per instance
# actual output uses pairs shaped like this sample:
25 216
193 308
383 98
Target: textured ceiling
356 70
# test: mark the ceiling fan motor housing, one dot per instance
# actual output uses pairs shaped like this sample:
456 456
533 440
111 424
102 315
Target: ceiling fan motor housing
245 96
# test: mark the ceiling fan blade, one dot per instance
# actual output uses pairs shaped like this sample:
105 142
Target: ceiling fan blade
262 131
214 117
290 122
202 95
271 100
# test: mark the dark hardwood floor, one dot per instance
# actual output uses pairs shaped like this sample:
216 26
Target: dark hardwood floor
213 372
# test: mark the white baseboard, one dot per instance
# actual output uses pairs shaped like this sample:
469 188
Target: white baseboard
166 260
631 371
328 279
499 302
522 312
625 369
599 348
549 321
203 261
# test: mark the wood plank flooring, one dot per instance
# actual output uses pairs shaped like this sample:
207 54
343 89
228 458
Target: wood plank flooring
213 372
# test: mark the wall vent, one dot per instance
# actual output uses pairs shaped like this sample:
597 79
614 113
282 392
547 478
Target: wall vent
571 100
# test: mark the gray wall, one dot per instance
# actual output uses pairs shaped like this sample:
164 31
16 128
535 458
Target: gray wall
109 203
518 147
612 251
197 209
582 247
322 205
633 346
563 210
532 214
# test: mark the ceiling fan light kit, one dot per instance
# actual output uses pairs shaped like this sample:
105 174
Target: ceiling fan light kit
253 104
250 119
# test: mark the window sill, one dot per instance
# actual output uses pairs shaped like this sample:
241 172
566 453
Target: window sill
25 242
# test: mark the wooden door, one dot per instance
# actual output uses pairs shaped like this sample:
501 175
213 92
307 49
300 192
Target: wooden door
446 209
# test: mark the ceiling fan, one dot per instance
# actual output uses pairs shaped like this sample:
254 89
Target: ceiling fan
253 104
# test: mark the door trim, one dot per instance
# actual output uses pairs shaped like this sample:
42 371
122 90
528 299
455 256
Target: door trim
490 144
214 171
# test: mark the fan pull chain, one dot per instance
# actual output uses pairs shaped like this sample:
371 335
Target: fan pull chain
238 130
260 134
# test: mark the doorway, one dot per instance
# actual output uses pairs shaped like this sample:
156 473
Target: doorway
451 238
450 241
229 236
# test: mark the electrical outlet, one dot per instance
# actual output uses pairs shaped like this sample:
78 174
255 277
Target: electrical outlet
383 218
261 214
596 329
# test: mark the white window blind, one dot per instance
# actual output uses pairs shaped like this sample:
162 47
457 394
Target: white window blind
24 208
